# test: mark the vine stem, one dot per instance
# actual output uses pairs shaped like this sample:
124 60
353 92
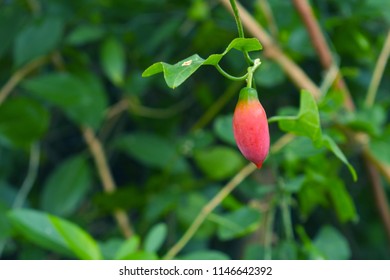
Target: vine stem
230 77
30 178
27 184
240 29
106 177
378 72
272 51
19 75
214 202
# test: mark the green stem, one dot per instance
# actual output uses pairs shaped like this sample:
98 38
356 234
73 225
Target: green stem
268 234
240 29
30 178
227 75
251 71
286 218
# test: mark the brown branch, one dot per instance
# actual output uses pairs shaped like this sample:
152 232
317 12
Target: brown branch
272 51
109 186
264 5
379 194
321 46
20 75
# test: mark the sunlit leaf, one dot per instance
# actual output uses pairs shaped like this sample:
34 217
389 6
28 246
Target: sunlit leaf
22 121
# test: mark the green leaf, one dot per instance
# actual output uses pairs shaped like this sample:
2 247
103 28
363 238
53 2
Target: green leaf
85 34
11 21
237 223
285 250
369 120
342 201
81 97
78 241
66 186
379 147
142 255
219 162
110 247
332 244
269 74
190 206
151 150
223 128
177 73
205 255
294 185
37 39
5 226
54 233
155 238
306 123
332 146
128 248
22 121
113 60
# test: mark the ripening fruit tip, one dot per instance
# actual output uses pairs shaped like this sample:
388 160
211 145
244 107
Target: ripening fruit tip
250 127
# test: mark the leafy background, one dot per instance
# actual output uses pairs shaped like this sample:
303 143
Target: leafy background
98 162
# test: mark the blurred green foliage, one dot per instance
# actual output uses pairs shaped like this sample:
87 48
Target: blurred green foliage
171 151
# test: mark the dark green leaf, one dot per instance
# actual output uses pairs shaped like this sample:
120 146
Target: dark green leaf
142 255
189 208
155 238
85 34
113 60
66 186
80 97
22 121
294 185
219 162
269 74
37 39
11 21
151 150
205 255
237 223
379 147
224 129
332 244
110 247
